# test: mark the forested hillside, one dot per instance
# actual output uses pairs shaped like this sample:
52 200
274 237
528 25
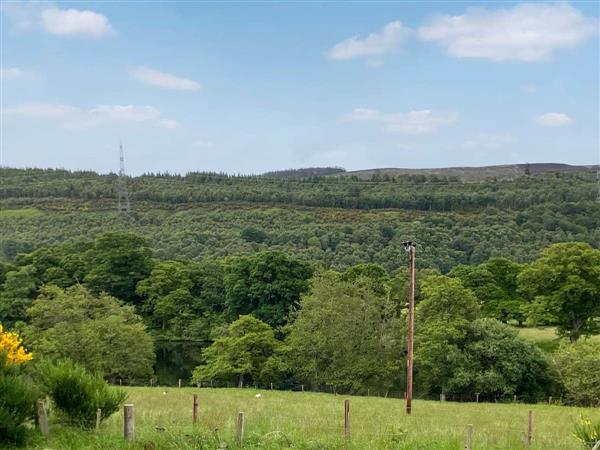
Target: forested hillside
337 221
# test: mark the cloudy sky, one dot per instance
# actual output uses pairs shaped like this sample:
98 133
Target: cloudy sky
248 87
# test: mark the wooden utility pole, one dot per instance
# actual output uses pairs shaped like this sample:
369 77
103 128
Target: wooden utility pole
409 246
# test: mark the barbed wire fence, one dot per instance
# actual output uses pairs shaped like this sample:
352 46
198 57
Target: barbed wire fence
332 389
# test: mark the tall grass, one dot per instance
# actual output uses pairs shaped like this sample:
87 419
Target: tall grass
298 420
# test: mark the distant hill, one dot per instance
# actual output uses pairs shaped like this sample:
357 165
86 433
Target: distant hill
336 221
305 172
476 173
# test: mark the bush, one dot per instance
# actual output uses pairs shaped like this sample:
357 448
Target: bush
77 394
578 369
17 401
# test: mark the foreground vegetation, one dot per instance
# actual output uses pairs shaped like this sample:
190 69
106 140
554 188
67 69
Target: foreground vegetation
315 421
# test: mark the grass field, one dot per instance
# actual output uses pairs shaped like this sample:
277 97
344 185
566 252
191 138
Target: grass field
22 212
279 420
546 337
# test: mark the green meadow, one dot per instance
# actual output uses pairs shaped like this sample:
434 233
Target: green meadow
305 420
546 337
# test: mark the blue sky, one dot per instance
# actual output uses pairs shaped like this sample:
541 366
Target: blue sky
249 87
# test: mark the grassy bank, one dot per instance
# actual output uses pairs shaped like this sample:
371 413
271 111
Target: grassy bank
546 337
315 421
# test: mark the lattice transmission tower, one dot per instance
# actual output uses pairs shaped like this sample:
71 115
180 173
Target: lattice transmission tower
123 194
598 182
598 178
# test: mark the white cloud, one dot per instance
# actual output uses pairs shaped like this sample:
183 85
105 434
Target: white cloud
75 22
488 142
42 110
72 117
169 124
412 122
27 16
526 32
126 112
375 44
553 119
13 74
163 80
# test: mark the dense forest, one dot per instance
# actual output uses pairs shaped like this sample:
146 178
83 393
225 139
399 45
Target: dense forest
337 221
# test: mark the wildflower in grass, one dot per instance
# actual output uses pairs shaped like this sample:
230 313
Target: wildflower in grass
587 432
11 345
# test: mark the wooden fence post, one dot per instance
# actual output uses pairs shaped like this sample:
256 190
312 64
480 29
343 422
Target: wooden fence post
468 437
240 428
529 427
597 446
179 383
98 418
477 398
302 388
195 409
442 397
42 418
128 422
151 382
120 382
271 386
515 398
346 419
550 400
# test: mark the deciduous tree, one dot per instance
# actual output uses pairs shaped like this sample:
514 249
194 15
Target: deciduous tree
565 283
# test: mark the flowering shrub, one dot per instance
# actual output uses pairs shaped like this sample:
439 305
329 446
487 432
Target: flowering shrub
10 344
587 432
17 397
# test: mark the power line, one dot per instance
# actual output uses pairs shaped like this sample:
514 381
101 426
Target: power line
409 246
123 194
598 177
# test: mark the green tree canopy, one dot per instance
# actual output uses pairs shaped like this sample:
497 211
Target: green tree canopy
578 369
16 294
346 335
565 283
97 332
456 352
241 353
495 285
265 285
117 262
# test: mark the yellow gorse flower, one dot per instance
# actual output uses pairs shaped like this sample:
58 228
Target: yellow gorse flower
11 344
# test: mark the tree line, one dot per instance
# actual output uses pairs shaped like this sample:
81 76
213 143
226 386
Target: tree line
272 317
411 192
